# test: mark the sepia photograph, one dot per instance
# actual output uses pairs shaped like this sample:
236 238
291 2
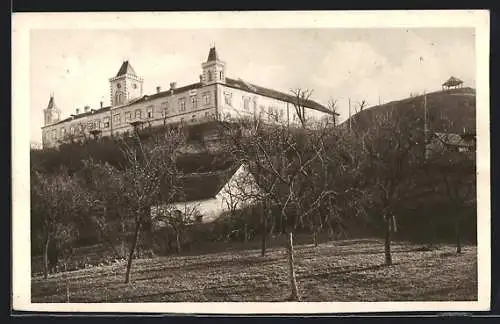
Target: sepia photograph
251 162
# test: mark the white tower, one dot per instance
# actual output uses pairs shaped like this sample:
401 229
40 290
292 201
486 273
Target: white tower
214 70
126 85
51 114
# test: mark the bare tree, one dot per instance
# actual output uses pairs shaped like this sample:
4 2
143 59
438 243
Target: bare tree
299 104
332 106
456 172
149 178
54 201
393 156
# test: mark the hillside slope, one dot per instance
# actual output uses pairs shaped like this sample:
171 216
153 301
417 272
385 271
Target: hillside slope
448 111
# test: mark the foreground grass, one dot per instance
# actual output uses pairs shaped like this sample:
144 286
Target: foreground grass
347 270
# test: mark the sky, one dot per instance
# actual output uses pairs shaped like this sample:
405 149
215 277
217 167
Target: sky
361 64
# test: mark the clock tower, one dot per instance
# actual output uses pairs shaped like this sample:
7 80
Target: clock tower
126 85
214 70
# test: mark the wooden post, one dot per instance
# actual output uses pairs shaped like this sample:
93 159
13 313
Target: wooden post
67 283
294 296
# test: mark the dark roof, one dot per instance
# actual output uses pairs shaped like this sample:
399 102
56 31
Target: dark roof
52 103
167 93
452 81
198 186
126 68
240 84
74 117
212 55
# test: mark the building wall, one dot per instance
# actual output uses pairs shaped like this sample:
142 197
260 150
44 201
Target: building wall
211 101
238 103
150 111
229 198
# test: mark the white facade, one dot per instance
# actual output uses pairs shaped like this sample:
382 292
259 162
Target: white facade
239 192
215 96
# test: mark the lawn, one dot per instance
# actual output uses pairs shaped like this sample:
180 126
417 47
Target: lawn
344 270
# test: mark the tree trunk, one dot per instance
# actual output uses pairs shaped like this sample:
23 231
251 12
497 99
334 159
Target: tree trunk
264 235
330 232
387 244
457 235
132 250
315 238
124 236
178 241
294 294
271 230
46 258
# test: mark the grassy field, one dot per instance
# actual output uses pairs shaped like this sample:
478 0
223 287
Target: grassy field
345 270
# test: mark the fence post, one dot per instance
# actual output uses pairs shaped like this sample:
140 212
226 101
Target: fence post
67 282
291 267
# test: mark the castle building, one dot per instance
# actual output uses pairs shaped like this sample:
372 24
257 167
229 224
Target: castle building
215 96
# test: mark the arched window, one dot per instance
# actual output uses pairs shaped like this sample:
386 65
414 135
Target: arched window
209 75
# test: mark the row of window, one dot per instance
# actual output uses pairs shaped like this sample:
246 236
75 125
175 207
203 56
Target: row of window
97 124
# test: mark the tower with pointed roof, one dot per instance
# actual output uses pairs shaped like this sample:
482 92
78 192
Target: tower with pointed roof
214 70
51 114
126 85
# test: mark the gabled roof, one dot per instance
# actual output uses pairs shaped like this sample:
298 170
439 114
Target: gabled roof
75 117
126 68
166 93
212 55
452 81
240 84
199 186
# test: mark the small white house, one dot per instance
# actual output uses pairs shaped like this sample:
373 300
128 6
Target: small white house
212 194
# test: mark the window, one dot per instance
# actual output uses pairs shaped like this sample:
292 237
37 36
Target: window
193 118
182 119
54 135
220 75
105 124
72 130
97 124
90 125
137 114
209 75
116 119
128 116
207 114
182 104
164 109
63 132
206 98
246 103
80 128
149 112
193 102
228 98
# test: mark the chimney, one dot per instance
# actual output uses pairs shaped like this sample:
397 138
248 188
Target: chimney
158 89
86 108
77 111
101 104
172 87
201 78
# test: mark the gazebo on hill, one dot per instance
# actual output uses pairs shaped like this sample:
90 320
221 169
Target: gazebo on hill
452 83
